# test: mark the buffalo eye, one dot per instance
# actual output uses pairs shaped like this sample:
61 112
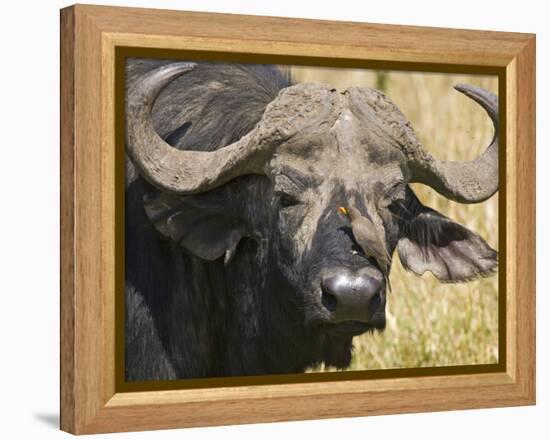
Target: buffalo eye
394 195
287 200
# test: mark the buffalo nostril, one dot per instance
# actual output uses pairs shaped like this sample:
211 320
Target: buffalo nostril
329 301
374 304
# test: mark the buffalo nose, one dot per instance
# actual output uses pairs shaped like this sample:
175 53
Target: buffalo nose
351 297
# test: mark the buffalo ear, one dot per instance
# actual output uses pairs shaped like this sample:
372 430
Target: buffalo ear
197 223
432 242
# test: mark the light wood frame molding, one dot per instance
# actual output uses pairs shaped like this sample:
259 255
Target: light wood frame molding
89 37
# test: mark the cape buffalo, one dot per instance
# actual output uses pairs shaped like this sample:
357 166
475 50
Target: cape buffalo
237 260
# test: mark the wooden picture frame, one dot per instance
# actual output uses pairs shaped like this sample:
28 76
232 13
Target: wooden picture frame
91 401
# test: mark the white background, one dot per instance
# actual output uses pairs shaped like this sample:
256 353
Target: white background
29 219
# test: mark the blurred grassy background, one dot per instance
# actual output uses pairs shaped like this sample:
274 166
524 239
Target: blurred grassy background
430 323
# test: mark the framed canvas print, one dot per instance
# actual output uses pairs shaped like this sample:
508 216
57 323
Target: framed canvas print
273 219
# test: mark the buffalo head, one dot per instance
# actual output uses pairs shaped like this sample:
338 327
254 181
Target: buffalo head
275 191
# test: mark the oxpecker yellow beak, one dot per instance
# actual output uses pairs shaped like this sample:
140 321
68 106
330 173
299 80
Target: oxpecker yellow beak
343 210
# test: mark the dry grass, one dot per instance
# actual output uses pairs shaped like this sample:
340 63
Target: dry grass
429 323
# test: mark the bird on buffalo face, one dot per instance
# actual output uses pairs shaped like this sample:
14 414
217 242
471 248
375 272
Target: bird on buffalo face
365 234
